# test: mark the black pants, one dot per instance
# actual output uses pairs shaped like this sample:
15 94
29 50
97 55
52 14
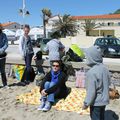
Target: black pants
97 112
2 70
26 74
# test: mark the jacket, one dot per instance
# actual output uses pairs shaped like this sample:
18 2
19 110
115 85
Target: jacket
3 43
54 47
25 46
97 79
61 84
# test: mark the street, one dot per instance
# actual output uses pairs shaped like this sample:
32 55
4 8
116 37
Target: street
13 52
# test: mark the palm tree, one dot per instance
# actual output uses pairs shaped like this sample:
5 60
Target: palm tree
46 15
66 26
89 25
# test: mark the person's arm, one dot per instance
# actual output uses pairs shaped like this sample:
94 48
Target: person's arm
61 81
46 49
91 90
5 44
61 46
47 78
21 46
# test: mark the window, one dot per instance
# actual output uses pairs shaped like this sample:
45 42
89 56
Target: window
118 23
102 24
100 42
110 24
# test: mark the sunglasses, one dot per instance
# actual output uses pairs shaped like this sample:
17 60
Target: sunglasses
55 65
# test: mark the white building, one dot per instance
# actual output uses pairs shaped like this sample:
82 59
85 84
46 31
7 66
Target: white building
109 24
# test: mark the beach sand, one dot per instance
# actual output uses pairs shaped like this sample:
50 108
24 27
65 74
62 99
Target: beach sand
10 109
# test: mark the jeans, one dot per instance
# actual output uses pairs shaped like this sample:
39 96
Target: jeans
97 112
50 97
28 60
2 70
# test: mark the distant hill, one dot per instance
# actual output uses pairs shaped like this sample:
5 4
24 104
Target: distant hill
117 11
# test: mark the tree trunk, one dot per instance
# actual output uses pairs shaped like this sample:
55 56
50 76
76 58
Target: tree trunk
87 33
44 25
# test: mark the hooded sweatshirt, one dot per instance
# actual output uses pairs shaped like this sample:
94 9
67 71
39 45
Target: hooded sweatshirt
97 79
53 47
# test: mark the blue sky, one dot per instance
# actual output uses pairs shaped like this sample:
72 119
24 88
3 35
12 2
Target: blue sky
9 9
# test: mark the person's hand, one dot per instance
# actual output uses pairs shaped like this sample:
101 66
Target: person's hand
34 58
43 92
84 107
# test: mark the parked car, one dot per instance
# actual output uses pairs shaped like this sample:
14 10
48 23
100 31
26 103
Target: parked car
42 44
38 42
110 46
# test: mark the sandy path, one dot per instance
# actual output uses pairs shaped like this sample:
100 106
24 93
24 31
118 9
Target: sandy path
11 110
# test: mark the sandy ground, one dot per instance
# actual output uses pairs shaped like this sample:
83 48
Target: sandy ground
11 110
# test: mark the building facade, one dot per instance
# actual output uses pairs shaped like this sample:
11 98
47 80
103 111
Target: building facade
109 25
11 26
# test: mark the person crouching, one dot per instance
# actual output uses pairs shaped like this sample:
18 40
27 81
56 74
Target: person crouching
52 87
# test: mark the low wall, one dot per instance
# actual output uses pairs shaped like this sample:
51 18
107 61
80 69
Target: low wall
81 41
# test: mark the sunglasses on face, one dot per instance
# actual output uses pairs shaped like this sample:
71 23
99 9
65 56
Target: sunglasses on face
55 65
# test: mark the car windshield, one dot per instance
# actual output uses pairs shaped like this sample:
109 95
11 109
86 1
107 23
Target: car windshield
100 41
110 41
45 41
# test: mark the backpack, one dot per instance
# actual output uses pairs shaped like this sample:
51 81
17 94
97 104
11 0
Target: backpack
66 66
73 56
32 75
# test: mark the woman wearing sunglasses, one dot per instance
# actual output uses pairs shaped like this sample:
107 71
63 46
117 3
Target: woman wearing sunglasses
52 87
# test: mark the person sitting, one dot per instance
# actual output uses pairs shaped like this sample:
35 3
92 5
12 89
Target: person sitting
52 87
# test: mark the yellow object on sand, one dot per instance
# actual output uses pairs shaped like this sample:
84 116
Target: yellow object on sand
73 101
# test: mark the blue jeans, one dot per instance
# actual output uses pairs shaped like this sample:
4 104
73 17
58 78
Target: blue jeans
50 97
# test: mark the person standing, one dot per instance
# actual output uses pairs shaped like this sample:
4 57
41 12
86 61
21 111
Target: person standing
26 50
97 84
54 48
3 47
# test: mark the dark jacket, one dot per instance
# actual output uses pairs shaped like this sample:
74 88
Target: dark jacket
61 85
3 43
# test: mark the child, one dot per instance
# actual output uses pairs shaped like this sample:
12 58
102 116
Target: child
97 84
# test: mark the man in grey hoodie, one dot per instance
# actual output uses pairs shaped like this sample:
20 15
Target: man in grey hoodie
54 47
97 84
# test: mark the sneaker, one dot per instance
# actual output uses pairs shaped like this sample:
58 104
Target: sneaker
6 87
22 84
47 107
43 101
27 82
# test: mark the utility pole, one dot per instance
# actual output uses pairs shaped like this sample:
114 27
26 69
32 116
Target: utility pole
23 11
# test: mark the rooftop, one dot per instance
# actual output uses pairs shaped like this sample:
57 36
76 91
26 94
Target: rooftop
107 16
7 24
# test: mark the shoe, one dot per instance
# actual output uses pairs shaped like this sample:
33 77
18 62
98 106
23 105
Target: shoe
47 107
43 101
27 82
22 84
6 87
